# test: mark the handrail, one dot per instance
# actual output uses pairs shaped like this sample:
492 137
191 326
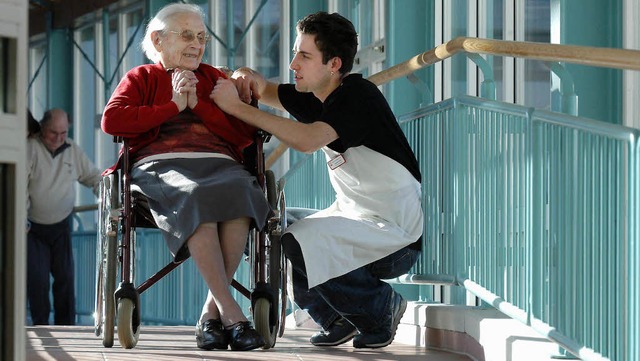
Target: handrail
585 55
86 208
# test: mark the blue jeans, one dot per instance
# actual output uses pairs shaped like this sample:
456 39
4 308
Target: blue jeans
360 296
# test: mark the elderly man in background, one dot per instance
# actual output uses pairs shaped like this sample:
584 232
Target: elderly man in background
55 164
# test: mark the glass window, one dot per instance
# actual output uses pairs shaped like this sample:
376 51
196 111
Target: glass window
495 29
84 116
265 40
497 23
38 75
537 28
459 27
8 72
246 33
134 25
85 86
367 17
113 52
227 21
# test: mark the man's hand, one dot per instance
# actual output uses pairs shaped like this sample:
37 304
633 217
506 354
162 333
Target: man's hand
247 84
225 95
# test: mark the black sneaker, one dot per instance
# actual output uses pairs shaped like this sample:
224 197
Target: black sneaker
385 336
338 333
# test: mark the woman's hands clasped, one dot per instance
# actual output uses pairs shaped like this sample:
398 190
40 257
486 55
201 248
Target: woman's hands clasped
184 89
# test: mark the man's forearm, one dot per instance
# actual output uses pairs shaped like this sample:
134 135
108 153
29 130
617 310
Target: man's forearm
298 136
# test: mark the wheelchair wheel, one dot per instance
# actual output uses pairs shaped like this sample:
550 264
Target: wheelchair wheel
280 264
128 334
104 316
269 314
261 316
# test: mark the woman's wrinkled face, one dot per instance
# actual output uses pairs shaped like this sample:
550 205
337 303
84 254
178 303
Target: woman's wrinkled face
181 44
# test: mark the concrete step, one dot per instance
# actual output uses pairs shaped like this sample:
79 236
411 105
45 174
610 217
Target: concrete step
483 334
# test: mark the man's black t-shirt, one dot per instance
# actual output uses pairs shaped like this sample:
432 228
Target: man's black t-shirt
359 113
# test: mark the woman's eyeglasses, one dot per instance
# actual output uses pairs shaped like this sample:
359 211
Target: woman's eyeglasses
189 36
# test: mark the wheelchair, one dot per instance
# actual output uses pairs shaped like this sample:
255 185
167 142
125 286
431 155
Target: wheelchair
120 212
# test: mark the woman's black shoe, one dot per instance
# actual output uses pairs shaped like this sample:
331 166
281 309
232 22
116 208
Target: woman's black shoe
243 337
211 335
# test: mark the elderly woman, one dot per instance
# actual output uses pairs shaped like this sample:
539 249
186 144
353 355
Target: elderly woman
187 160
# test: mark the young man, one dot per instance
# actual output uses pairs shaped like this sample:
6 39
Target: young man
373 230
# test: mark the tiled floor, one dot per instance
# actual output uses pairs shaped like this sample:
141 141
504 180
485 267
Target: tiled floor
158 343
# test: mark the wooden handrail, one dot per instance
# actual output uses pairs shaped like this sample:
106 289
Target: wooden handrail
584 55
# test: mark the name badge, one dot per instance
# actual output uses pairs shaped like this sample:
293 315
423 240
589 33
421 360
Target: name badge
336 162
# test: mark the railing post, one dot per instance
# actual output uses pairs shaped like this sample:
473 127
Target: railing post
488 86
568 97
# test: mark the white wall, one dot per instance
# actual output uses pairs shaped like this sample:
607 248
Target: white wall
13 25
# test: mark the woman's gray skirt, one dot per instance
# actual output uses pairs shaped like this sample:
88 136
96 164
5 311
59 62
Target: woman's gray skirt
184 193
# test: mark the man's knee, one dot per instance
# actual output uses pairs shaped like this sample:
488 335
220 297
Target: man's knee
290 246
292 250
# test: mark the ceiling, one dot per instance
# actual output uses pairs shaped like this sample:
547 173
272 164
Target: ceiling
61 12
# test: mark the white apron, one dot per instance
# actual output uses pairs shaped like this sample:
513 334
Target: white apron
376 213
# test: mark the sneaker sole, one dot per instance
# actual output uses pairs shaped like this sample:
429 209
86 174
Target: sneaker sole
337 343
396 321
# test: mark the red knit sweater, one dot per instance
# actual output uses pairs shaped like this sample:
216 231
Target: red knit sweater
142 102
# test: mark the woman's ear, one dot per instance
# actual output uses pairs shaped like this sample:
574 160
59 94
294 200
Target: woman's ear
156 38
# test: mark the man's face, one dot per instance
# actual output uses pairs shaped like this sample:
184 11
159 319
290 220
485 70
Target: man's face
310 74
54 134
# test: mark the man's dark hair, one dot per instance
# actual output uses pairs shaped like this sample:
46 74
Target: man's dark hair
335 37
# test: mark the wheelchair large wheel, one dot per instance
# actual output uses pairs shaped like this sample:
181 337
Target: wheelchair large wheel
280 263
104 315
269 313
128 333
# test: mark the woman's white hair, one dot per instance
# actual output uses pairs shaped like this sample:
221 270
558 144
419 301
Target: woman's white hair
159 23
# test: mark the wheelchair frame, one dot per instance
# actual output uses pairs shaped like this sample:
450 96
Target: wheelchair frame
119 213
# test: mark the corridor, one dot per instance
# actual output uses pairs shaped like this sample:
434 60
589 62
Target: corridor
158 343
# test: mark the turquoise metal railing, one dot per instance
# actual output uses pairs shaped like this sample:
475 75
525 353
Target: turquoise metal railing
534 212
544 218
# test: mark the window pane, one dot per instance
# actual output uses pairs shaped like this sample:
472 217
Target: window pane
38 80
134 25
495 30
267 40
537 75
8 72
